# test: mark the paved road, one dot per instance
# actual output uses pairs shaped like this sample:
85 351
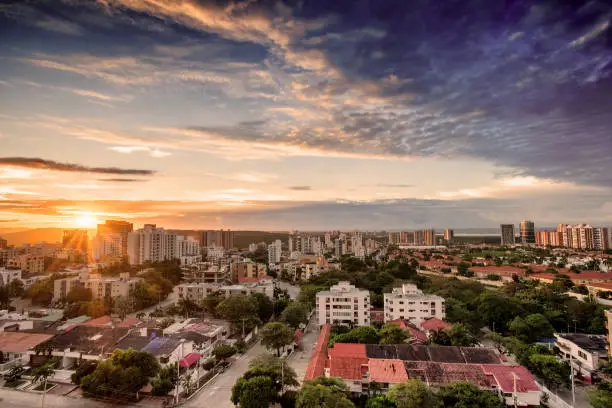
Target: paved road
293 290
20 399
217 393
299 360
172 297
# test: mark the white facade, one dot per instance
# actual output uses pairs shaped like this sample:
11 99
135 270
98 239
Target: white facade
215 253
151 244
344 304
198 291
274 252
586 351
8 275
107 245
409 303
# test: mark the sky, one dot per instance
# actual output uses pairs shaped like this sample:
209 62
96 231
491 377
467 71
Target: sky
346 114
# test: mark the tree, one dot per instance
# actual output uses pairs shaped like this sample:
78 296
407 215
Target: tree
278 375
16 288
462 268
530 328
392 334
223 351
96 308
211 301
413 394
122 306
380 401
308 294
324 393
265 307
362 335
254 392
42 374
277 336
440 337
562 282
41 292
86 367
79 294
550 370
464 394
460 335
295 314
239 309
602 397
121 375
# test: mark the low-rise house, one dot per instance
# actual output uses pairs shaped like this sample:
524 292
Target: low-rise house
17 346
360 365
198 291
587 352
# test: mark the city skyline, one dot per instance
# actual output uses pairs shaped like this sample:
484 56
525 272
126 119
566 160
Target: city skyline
309 116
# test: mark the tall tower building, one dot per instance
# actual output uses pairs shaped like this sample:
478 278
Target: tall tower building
527 232
110 228
507 234
75 239
449 235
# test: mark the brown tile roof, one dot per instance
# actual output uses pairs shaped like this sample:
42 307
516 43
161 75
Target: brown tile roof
19 342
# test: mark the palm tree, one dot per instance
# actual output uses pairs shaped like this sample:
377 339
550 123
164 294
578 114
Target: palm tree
42 373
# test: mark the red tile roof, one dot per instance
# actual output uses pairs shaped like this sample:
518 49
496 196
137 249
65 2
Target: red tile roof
348 368
416 335
525 381
434 324
348 350
318 358
586 275
387 371
189 359
19 342
499 270
102 321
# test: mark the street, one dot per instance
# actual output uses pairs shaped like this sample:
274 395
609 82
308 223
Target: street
10 398
217 393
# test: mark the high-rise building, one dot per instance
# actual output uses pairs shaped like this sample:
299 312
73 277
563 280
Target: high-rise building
430 237
583 236
507 234
122 228
527 230
449 235
151 244
394 238
75 239
217 238
274 252
3 243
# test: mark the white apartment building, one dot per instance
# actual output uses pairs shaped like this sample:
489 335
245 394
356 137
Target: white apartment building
198 291
587 352
409 303
150 244
107 246
8 275
215 253
101 286
188 250
274 252
344 304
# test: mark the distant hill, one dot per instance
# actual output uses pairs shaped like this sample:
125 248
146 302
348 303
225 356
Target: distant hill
242 239
32 236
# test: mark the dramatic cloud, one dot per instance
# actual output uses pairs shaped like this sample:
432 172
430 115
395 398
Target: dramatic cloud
121 180
42 164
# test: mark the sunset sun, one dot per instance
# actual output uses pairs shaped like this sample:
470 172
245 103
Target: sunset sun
86 220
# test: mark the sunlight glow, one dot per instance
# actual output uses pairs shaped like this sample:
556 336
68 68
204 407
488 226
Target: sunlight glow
86 220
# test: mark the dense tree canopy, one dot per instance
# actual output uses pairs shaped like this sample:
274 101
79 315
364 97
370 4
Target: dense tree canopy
277 336
239 310
121 375
324 392
295 314
392 334
413 394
